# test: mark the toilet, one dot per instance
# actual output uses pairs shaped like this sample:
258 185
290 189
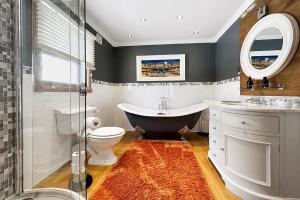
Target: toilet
100 142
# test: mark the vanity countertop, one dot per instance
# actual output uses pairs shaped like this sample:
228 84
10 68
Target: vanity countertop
251 107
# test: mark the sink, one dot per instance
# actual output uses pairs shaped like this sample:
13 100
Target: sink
239 103
232 102
236 103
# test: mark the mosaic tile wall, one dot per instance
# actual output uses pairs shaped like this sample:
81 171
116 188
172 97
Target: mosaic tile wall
7 99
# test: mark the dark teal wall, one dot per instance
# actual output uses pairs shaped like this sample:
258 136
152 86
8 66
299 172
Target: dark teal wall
205 62
104 59
199 58
227 59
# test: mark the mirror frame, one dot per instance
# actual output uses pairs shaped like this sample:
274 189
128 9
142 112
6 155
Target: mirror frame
289 28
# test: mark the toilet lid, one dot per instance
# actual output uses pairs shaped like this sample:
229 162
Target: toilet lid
106 132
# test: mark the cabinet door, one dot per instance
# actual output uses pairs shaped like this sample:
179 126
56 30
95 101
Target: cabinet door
252 161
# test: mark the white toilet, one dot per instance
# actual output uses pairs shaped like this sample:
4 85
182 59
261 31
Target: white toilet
100 143
100 140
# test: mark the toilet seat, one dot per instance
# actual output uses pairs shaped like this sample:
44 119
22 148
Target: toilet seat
106 132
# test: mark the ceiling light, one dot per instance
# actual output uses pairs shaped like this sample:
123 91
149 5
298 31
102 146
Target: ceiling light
179 17
196 33
144 19
130 35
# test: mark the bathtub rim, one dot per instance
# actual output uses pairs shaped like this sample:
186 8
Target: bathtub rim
199 107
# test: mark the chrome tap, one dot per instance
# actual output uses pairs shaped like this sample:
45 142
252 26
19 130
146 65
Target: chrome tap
280 86
258 100
163 104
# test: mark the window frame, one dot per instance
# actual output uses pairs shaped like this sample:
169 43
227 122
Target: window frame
51 86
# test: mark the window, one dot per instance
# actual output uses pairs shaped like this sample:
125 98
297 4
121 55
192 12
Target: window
60 63
53 64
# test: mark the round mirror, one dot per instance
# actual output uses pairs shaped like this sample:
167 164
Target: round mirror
269 46
266 48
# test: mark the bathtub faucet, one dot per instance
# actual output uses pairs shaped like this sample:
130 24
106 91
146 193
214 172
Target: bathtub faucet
163 104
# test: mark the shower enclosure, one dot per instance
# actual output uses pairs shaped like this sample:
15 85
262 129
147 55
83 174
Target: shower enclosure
51 89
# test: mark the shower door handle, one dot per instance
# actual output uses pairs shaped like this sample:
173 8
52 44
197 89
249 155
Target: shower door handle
83 90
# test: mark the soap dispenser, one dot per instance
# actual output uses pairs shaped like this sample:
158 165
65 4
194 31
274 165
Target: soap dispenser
265 82
249 83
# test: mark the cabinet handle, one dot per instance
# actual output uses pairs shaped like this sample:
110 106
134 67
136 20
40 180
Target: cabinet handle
243 122
222 149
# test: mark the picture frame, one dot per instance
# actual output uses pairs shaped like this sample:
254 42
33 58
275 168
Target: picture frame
160 67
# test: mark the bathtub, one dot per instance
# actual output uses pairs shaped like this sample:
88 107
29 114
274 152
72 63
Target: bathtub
146 120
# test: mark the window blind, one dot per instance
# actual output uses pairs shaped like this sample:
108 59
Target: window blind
57 32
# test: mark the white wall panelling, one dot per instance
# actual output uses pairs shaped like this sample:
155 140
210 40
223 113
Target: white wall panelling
107 96
229 91
27 131
45 151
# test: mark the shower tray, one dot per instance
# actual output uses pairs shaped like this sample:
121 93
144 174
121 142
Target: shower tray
49 194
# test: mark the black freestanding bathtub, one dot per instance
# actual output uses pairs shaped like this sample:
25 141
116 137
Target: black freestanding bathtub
146 120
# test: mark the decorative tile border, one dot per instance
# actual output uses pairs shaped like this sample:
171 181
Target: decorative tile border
152 84
230 80
235 79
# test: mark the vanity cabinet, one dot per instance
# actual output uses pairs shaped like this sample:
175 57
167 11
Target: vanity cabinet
249 149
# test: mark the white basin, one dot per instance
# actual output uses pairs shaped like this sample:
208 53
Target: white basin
49 194
233 103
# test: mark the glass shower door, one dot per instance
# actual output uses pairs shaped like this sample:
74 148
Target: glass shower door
53 82
78 101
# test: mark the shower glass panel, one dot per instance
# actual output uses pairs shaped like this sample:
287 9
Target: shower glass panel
52 35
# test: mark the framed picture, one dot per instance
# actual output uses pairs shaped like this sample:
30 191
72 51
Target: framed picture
160 67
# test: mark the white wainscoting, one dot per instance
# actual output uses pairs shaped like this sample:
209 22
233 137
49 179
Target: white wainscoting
107 96
44 150
229 91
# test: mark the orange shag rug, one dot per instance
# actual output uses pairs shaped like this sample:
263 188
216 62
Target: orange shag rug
152 170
